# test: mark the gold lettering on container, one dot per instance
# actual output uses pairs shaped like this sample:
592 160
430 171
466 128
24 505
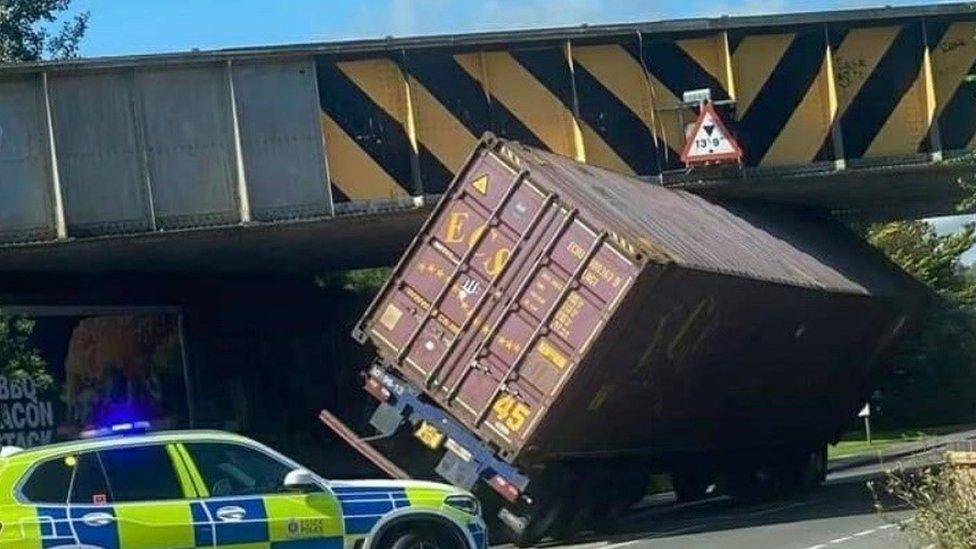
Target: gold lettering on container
551 353
416 298
566 315
454 229
574 248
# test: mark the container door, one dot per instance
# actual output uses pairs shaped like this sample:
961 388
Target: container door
458 268
531 350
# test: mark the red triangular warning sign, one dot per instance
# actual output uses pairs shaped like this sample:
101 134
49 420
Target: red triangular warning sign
710 141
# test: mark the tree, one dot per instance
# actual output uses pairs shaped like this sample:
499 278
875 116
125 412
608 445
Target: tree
18 357
932 379
26 35
932 258
29 30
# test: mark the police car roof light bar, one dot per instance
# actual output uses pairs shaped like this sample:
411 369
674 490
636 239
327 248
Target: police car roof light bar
127 428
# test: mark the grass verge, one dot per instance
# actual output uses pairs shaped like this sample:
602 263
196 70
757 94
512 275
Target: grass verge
853 443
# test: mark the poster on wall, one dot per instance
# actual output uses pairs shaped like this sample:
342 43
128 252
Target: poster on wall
107 369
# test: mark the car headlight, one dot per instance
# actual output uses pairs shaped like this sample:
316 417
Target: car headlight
467 504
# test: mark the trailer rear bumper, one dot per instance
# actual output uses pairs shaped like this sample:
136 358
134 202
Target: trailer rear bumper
467 459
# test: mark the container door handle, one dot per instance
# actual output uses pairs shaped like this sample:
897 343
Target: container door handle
95 520
231 514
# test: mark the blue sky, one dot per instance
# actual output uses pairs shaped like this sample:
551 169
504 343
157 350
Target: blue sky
145 26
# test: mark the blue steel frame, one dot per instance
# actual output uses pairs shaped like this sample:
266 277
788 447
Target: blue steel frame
405 398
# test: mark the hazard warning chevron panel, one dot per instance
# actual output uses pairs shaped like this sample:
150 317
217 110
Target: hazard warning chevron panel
952 47
783 109
365 124
793 94
883 108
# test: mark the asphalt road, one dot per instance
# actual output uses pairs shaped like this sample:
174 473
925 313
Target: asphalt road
841 514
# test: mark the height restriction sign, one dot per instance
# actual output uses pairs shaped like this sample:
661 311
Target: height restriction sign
709 141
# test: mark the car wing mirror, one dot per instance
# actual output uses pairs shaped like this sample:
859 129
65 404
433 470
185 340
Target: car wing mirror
301 480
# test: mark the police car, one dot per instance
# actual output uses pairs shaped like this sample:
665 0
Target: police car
213 489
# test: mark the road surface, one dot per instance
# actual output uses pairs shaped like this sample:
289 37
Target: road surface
840 515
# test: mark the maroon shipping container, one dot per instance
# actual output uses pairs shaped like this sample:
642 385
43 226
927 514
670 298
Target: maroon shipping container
559 310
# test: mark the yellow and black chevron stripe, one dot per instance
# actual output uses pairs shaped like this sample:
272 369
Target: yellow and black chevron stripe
784 107
370 133
882 102
615 107
676 66
364 122
451 109
952 47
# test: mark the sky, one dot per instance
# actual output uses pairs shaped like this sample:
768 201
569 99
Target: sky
148 26
119 27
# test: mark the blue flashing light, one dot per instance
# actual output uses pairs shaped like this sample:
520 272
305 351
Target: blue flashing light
119 429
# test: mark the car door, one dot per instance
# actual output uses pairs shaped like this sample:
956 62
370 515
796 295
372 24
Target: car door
84 516
119 498
45 490
150 499
244 494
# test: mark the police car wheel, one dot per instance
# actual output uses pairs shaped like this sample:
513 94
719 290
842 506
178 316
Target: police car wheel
419 539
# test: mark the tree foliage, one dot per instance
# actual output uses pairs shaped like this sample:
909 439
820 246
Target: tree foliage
18 356
932 258
358 281
932 379
30 30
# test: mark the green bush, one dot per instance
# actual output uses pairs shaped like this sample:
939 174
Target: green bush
944 501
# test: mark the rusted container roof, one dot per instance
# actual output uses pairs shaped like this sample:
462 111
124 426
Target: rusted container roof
772 242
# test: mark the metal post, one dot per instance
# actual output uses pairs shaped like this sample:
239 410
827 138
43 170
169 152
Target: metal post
867 428
244 210
60 222
187 379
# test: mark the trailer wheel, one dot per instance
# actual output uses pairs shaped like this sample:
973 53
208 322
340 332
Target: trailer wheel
798 471
814 471
690 485
620 489
541 522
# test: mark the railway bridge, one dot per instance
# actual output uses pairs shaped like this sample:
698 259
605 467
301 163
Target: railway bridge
292 158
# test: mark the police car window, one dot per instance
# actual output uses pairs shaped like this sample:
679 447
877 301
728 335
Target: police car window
88 486
232 470
49 482
141 473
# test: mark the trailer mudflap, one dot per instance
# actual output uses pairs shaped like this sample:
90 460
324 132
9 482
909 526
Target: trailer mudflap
361 445
457 470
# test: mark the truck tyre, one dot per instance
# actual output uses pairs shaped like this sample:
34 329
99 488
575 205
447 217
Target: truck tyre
814 470
542 522
797 471
690 486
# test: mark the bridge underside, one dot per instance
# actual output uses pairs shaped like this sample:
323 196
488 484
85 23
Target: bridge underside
302 247
860 194
314 246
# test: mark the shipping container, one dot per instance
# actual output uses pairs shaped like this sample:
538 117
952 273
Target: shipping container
562 313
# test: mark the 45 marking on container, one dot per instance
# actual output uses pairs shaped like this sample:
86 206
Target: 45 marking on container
510 414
